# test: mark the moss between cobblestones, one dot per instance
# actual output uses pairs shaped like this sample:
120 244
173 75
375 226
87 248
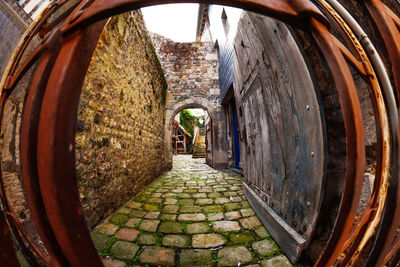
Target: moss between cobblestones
137 256
151 207
176 232
119 219
171 228
213 208
138 213
140 198
124 210
145 238
106 251
273 253
245 204
101 241
241 237
232 206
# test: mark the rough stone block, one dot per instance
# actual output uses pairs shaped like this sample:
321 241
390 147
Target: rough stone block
152 215
214 195
241 238
134 205
100 241
197 228
261 232
127 234
124 210
247 212
168 217
200 195
231 256
196 258
149 207
186 201
107 229
124 250
280 261
170 208
232 206
208 241
233 215
171 228
179 241
155 200
149 225
221 200
213 208
138 213
170 201
134 222
190 209
264 247
250 222
119 218
225 226
196 217
158 256
147 239
215 216
204 201
113 263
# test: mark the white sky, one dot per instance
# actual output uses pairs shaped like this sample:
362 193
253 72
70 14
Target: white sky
174 21
197 112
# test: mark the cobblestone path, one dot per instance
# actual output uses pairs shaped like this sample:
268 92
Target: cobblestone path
191 216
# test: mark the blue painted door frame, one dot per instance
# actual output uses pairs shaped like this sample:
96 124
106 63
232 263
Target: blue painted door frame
236 152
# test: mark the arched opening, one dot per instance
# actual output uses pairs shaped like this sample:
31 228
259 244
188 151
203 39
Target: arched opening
188 128
207 132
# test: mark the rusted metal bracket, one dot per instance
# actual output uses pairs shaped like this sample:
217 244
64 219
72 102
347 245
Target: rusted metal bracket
368 223
355 151
388 24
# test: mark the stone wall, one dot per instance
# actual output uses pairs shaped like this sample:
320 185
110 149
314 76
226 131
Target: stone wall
120 135
191 71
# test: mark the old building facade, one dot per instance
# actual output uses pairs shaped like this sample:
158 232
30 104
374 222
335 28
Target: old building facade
191 72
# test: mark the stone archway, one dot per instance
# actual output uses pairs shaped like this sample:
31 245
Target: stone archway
214 113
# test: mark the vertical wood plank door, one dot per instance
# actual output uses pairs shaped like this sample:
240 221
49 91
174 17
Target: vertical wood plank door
281 131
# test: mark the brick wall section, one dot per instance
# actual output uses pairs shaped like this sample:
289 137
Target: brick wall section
191 69
120 134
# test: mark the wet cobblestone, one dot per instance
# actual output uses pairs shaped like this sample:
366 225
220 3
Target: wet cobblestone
192 215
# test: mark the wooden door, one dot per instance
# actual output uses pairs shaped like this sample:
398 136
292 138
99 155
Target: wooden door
281 131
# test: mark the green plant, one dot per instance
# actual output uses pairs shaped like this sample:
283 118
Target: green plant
214 258
189 121
136 259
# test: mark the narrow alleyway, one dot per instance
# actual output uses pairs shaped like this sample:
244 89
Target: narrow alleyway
191 216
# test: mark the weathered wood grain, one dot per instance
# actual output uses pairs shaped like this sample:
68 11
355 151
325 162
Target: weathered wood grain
281 130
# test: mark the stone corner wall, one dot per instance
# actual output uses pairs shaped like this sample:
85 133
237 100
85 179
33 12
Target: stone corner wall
191 71
120 135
